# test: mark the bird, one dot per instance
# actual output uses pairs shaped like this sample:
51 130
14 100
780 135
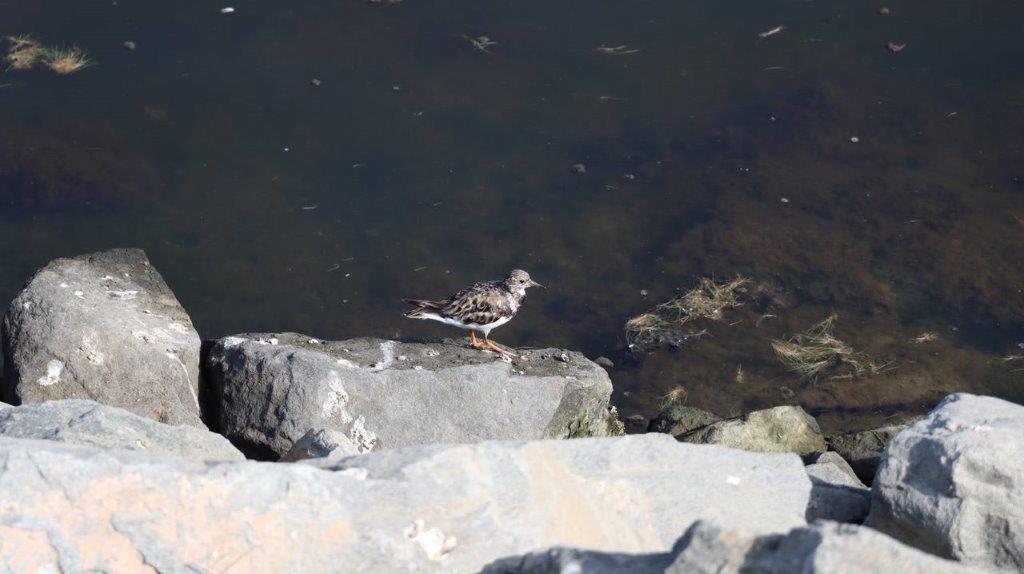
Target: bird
480 308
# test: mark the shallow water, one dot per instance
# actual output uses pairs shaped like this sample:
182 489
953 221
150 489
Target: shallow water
421 163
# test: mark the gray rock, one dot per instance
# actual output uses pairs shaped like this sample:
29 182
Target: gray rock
836 492
435 508
321 443
273 388
779 429
705 548
953 483
679 419
863 449
89 423
103 327
832 457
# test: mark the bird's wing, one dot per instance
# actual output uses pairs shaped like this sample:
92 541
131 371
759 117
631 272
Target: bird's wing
478 304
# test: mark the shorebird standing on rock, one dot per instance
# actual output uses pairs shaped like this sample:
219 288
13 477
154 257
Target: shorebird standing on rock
481 307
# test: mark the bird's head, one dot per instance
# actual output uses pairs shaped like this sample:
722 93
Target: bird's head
518 281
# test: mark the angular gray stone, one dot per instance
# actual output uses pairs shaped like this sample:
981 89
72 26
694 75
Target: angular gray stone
953 483
863 449
434 508
836 492
822 548
832 457
273 388
321 443
103 327
88 423
679 419
779 429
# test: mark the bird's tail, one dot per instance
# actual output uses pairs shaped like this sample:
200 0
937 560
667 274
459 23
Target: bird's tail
422 306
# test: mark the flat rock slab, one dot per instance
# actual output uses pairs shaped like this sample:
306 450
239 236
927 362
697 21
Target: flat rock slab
822 548
273 388
779 429
88 423
449 508
953 483
103 327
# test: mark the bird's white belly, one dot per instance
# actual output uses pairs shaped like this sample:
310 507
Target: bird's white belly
485 329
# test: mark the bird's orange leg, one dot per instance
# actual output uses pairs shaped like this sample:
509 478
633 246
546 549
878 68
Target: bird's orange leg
473 342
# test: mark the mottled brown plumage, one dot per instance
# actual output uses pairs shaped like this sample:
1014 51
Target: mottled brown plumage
480 307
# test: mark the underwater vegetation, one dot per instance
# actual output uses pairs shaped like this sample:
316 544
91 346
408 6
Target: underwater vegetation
663 324
25 52
817 351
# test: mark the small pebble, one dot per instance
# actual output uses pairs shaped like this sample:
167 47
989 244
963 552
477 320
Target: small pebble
894 47
578 168
605 362
315 82
564 357
643 292
854 139
129 45
784 199
884 11
227 10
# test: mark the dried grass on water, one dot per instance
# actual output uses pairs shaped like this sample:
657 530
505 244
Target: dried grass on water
817 352
664 323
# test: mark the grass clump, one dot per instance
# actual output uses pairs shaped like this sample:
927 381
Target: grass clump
23 53
663 324
66 60
817 351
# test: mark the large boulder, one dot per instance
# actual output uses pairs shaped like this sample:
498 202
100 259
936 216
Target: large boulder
953 483
779 429
681 419
863 449
89 423
103 327
836 492
273 388
435 508
822 548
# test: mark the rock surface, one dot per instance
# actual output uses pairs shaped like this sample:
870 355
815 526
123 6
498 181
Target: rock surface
273 388
431 508
822 548
953 483
88 423
321 443
779 429
863 449
679 419
836 492
103 327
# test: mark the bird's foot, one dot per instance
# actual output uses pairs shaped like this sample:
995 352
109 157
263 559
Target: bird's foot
500 348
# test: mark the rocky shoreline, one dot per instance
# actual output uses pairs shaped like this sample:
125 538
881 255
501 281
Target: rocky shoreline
126 451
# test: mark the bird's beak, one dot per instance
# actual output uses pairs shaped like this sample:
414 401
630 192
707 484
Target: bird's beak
535 284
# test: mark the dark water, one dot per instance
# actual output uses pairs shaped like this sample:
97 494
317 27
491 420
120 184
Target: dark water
421 163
